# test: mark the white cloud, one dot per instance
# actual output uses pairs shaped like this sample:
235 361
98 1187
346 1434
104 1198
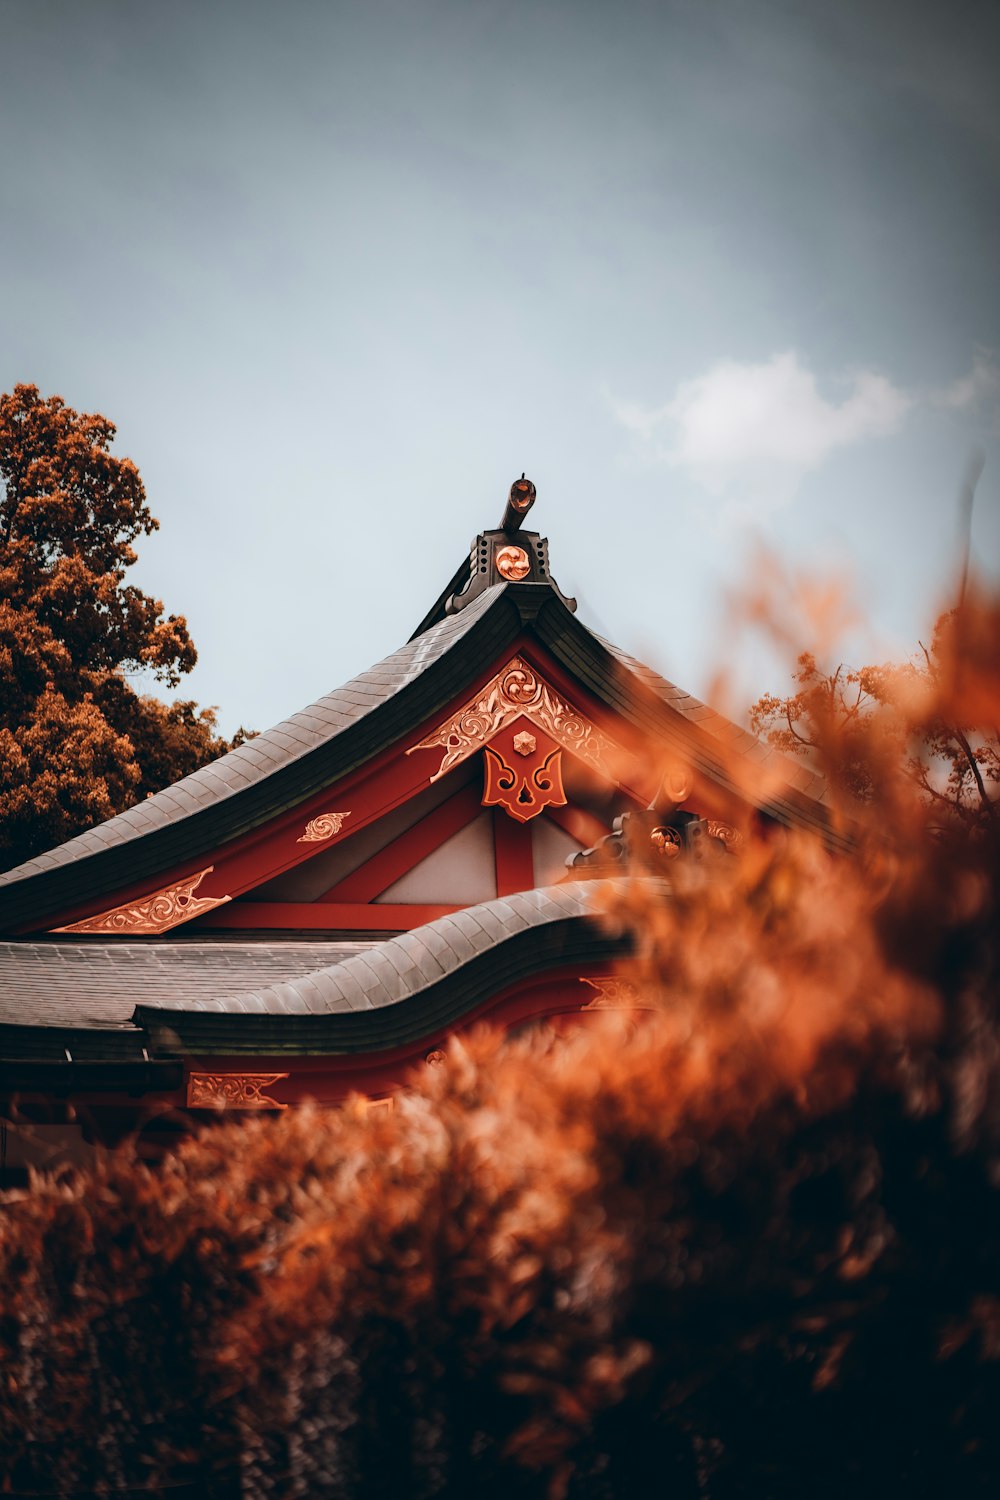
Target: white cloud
978 391
749 433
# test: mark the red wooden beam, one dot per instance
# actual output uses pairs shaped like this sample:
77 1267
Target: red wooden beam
399 857
295 916
514 860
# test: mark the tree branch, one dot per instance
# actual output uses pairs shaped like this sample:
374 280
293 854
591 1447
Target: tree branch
976 773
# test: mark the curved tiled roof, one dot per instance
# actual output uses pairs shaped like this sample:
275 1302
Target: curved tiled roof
281 768
88 982
258 758
396 969
277 995
400 990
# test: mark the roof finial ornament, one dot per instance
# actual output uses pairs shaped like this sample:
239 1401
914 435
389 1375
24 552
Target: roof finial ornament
519 502
506 555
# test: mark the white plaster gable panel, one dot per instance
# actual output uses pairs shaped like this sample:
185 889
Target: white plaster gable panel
460 872
550 847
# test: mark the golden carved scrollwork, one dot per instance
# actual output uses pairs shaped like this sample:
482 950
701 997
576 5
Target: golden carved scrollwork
614 994
232 1091
518 689
153 914
323 827
730 836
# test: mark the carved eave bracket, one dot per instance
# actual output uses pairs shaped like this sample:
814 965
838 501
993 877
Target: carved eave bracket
154 914
644 840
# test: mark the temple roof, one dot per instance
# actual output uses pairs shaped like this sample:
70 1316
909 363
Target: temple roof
78 1003
69 982
409 987
249 784
73 1000
283 766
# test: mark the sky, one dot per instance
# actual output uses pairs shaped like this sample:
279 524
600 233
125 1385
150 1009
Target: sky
719 275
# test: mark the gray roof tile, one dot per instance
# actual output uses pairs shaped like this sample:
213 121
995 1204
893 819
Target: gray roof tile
314 727
387 973
251 762
88 982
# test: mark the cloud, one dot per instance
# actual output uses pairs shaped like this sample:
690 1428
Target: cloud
749 433
979 391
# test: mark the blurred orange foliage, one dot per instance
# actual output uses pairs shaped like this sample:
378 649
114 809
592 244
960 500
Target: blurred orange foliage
746 1245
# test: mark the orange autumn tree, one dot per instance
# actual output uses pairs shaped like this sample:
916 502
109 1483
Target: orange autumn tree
830 717
77 742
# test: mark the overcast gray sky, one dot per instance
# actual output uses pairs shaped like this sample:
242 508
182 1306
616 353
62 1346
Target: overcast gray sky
708 270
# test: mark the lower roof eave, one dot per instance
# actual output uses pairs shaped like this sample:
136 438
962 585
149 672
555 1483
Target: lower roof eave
133 1076
401 991
436 1009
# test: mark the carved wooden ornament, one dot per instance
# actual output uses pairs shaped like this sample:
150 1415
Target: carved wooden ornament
518 691
730 836
523 778
232 1091
151 915
613 993
323 827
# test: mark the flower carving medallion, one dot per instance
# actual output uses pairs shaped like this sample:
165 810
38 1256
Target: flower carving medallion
518 690
151 915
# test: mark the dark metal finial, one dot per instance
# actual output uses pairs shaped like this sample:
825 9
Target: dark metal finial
519 502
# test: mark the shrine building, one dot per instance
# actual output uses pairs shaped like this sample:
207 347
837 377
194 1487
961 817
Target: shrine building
311 915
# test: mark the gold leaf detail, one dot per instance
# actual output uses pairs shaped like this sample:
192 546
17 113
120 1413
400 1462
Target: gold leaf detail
614 994
513 563
675 785
153 914
318 830
518 689
232 1091
666 841
730 836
